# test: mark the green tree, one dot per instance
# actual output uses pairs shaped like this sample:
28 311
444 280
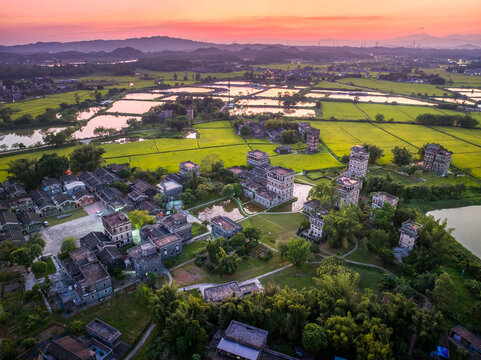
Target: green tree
314 338
444 293
163 303
226 263
69 244
187 197
25 171
402 156
383 217
140 218
341 331
325 193
245 131
297 251
52 165
121 186
86 158
375 153
379 117
288 136
39 267
159 199
8 350
57 139
228 190
22 256
77 326
342 226
237 189
252 233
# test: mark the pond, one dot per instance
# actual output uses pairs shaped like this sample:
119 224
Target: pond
276 92
141 96
270 102
88 113
223 208
379 99
466 224
26 136
106 121
133 106
301 192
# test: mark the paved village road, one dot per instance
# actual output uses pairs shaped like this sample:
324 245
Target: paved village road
78 228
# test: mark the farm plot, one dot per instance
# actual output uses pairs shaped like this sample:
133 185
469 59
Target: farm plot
470 135
299 162
341 111
213 124
401 88
218 137
400 113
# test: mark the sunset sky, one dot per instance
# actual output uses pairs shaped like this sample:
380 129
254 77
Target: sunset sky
302 21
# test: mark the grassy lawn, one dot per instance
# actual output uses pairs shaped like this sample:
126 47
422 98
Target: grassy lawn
293 277
218 137
198 229
134 319
369 277
362 254
299 162
392 86
189 252
276 228
50 269
403 113
190 274
76 214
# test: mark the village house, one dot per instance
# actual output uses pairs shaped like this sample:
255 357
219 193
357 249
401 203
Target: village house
137 197
51 186
118 229
316 221
170 189
168 246
302 128
110 256
111 198
67 179
222 226
149 206
72 186
178 224
280 180
358 161
312 140
282 150
91 280
348 190
91 181
144 187
274 135
31 222
83 197
145 259
437 159
13 189
245 342
106 176
220 292
45 206
23 205
67 348
410 231
116 168
256 129
94 240
188 168
13 236
381 198
310 206
466 340
9 221
257 158
64 202
103 332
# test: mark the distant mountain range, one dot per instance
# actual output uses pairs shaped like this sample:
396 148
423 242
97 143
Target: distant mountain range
165 43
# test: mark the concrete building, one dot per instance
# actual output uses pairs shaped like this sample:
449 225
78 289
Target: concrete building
220 292
104 332
348 190
312 140
222 226
381 198
190 113
316 221
72 186
242 341
145 259
177 224
51 186
170 189
437 159
67 348
31 222
358 161
410 231
280 180
188 168
257 158
9 221
310 206
118 229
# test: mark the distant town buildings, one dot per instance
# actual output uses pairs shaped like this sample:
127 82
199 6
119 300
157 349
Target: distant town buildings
348 190
358 161
437 159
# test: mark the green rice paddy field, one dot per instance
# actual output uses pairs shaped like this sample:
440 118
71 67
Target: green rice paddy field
400 88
